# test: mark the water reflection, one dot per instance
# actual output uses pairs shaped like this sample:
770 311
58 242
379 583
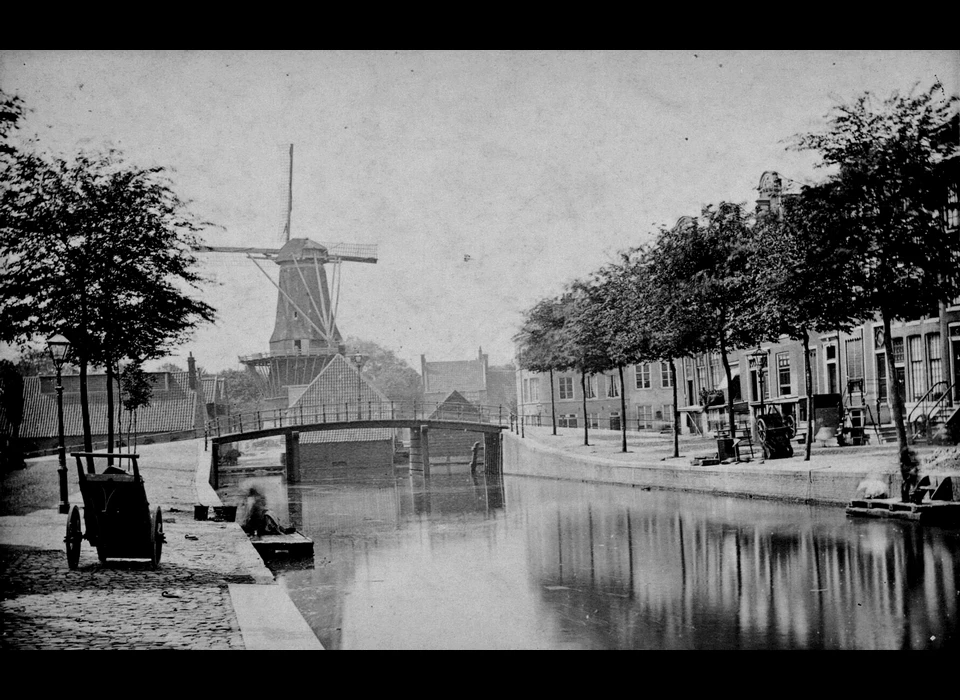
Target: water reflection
455 561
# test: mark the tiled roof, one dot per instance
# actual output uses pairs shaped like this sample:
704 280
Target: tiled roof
454 407
174 409
336 387
460 375
213 389
349 435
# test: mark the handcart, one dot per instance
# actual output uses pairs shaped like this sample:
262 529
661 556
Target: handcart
116 513
775 433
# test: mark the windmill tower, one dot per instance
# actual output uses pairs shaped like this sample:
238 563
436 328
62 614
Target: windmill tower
305 335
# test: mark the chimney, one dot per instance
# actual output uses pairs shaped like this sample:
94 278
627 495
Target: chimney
192 370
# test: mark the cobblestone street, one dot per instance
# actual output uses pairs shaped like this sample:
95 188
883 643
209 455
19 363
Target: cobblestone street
185 604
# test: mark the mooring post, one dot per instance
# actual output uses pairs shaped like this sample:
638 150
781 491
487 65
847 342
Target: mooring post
292 460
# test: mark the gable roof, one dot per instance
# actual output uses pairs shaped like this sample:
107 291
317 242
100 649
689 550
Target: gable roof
335 389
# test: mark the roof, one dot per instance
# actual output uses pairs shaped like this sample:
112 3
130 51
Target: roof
213 388
336 388
173 408
456 375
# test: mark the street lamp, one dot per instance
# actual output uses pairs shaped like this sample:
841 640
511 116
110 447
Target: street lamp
758 359
59 348
358 360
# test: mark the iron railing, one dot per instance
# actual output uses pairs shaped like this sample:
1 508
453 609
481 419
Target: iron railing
354 412
928 404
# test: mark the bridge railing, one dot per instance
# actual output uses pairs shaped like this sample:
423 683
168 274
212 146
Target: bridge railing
352 411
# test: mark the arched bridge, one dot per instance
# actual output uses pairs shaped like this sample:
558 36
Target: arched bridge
419 417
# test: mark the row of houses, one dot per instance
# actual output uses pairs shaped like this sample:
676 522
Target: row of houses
849 370
183 403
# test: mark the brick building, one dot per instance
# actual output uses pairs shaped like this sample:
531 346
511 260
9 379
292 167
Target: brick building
474 380
847 368
337 392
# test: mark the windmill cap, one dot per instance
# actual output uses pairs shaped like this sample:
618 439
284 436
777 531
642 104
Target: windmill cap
299 248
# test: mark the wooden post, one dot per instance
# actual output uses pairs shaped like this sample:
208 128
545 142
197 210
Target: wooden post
215 465
293 457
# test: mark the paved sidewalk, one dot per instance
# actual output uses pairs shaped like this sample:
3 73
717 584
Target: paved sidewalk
200 597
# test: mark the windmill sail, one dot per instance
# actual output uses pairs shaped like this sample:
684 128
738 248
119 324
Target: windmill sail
305 334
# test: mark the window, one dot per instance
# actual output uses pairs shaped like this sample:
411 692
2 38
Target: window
593 420
667 410
701 375
783 373
665 375
590 383
715 372
567 420
951 213
643 375
613 386
813 371
854 352
531 389
644 417
566 387
934 356
917 380
615 420
897 351
881 376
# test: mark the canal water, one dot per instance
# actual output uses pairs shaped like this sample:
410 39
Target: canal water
472 562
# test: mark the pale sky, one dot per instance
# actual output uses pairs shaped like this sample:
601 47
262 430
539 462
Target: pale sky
539 166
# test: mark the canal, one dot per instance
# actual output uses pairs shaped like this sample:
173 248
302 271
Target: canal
473 562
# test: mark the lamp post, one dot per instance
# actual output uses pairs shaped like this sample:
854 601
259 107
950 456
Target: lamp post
758 359
358 360
59 348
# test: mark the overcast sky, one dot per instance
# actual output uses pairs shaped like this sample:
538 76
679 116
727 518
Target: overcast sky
487 179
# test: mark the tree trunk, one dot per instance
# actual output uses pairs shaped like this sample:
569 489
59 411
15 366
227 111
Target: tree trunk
808 373
85 413
583 392
110 377
553 405
623 411
676 409
908 467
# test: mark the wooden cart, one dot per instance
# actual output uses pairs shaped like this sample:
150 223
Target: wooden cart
116 513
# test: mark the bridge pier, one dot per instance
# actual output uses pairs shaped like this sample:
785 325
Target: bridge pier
420 450
491 453
292 457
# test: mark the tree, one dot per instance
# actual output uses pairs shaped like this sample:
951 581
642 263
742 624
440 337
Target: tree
99 251
539 343
805 275
699 266
661 335
244 390
394 377
893 160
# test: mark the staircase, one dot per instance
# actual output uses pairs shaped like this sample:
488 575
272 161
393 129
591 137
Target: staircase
937 426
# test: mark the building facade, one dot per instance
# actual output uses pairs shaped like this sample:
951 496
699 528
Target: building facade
848 370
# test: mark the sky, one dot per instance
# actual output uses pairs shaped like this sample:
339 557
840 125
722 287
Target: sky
487 179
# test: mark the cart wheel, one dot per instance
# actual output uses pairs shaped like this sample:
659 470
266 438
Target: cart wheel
157 539
791 426
73 538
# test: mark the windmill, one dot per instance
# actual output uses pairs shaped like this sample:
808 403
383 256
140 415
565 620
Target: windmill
305 335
